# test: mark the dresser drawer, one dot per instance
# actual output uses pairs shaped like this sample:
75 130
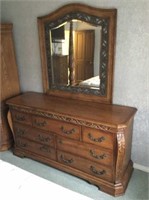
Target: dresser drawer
34 134
89 151
62 128
40 149
97 137
85 165
21 117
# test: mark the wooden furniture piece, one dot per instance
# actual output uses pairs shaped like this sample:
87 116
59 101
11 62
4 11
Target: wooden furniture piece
60 63
68 127
87 139
9 82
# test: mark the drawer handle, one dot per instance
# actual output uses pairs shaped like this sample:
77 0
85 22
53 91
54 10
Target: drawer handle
20 132
97 172
40 124
60 141
68 161
43 139
45 149
99 157
100 139
67 132
21 144
20 118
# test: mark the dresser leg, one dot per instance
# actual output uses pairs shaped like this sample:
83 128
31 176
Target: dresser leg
18 153
89 182
99 188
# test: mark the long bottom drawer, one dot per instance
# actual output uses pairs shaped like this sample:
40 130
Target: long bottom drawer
82 164
41 149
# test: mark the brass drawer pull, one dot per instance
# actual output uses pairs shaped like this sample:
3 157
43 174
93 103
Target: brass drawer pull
20 118
21 144
40 124
99 157
66 161
43 139
45 149
97 172
20 132
60 141
67 132
100 139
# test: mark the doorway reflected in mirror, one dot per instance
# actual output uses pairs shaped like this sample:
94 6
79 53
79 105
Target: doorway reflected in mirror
86 54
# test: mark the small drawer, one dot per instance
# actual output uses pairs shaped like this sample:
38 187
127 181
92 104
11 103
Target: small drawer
89 151
62 128
21 117
34 134
40 149
97 137
85 165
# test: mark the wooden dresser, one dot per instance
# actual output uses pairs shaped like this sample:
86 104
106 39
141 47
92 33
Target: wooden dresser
9 82
89 140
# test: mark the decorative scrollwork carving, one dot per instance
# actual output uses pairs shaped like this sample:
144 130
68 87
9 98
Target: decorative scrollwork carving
66 119
120 153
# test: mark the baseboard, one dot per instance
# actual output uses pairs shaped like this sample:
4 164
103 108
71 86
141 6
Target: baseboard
141 167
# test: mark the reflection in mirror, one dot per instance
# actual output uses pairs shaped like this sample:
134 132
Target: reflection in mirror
75 77
75 54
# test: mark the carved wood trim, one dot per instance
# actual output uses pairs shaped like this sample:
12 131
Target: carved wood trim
65 119
120 153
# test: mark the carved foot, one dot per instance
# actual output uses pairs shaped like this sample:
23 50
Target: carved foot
89 182
99 188
18 153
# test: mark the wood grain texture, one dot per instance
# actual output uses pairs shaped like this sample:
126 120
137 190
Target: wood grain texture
112 116
9 86
87 139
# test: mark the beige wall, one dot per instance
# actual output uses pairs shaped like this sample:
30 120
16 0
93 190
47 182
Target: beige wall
131 64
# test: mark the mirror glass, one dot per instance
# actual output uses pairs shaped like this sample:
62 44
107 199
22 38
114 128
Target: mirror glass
77 53
86 42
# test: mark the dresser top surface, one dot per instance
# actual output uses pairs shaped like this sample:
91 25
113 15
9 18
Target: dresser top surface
114 115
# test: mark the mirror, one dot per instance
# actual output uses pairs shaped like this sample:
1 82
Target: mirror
77 52
85 38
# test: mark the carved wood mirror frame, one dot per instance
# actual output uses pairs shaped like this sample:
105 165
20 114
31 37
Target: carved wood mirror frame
106 18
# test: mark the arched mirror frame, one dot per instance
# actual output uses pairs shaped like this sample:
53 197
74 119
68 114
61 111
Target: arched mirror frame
103 17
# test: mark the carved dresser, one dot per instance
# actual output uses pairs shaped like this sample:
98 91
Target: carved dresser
87 139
